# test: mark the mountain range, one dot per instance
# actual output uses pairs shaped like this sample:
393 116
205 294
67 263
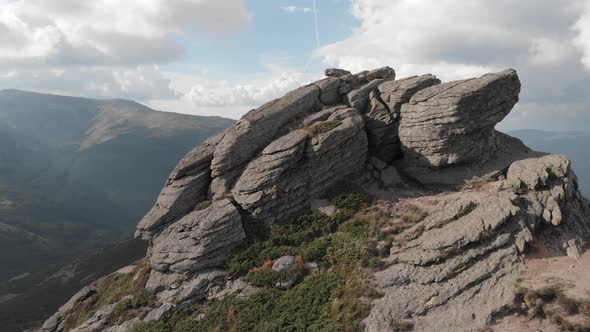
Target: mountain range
75 176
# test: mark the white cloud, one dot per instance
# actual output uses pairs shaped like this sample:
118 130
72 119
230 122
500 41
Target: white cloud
231 97
456 39
293 9
105 48
582 41
546 51
134 82
108 32
290 9
472 35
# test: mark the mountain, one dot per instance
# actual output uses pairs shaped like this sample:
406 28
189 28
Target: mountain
76 173
359 202
573 144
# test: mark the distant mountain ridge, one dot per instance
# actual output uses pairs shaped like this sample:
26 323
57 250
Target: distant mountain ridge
77 173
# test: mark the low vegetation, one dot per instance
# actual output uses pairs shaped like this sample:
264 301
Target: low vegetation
335 298
323 127
553 303
110 290
203 205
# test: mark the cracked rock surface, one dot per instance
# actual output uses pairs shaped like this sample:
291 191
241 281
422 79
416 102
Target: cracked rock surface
452 269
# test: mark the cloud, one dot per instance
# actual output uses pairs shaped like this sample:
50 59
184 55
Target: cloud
582 41
138 83
456 39
234 96
108 32
293 9
106 48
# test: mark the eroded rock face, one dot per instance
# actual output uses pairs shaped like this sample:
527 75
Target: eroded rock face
451 271
256 130
453 123
202 239
188 183
457 268
292 170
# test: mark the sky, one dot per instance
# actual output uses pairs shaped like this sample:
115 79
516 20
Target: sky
225 57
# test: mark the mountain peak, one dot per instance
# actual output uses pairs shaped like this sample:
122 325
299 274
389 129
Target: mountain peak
443 208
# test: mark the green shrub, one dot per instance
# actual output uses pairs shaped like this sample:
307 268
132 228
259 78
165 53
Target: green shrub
351 201
323 127
203 205
267 277
317 249
151 327
143 299
329 125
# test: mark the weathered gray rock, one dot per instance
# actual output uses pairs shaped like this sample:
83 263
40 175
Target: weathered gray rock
255 131
329 90
193 288
187 185
274 185
382 130
55 322
450 269
284 285
382 72
457 268
296 168
363 84
453 123
338 153
384 113
200 240
284 263
396 93
335 72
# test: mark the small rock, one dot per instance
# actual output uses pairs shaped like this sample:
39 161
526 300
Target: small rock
380 72
288 284
573 250
284 264
336 72
311 266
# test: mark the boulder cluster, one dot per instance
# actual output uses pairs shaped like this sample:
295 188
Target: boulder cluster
281 159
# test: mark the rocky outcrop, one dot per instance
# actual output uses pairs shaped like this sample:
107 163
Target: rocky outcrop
293 169
199 240
452 269
453 123
187 184
457 268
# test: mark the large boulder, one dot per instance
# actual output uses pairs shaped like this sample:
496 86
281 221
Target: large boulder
200 240
453 123
295 168
256 130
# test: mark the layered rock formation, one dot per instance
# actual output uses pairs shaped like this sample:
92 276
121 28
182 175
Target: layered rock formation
456 270
453 271
454 122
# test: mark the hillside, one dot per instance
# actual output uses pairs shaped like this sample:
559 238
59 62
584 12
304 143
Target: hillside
360 202
76 174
